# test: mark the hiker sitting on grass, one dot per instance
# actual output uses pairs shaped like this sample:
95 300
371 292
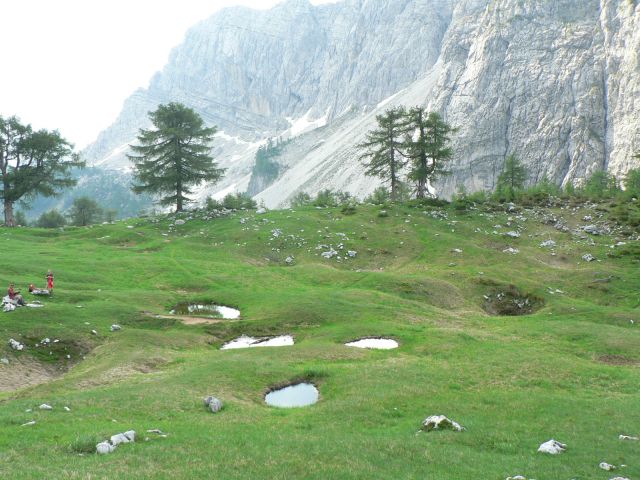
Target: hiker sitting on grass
33 290
15 296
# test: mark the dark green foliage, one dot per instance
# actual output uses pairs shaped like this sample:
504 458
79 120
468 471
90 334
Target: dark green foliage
601 185
20 218
212 204
511 180
175 156
382 150
300 199
632 182
325 198
238 201
266 169
84 211
380 196
51 219
32 163
349 208
463 201
428 149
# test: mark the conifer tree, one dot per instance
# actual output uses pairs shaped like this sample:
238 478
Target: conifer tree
382 155
174 156
512 179
32 163
428 147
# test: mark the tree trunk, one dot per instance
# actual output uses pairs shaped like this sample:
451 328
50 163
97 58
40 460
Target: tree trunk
179 196
9 221
394 180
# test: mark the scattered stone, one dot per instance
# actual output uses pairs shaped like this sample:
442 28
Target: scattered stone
518 477
28 424
214 404
588 258
629 437
93 332
180 222
619 478
15 344
45 406
587 218
548 244
352 253
103 448
607 466
456 250
511 250
4 361
67 409
261 211
552 447
440 422
115 328
591 230
289 260
512 234
329 254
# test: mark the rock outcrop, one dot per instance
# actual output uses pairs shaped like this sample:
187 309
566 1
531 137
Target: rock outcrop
555 82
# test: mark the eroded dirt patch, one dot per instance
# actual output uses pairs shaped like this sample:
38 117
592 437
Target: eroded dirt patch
619 360
25 371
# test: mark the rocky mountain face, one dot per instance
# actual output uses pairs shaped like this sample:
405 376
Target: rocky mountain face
556 82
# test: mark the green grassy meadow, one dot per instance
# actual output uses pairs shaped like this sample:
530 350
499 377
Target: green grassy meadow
569 371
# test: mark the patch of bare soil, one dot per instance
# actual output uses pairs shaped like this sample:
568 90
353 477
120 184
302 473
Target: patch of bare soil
24 371
619 360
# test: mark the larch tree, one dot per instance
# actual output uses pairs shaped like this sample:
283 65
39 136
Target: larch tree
512 178
382 154
428 147
32 163
175 156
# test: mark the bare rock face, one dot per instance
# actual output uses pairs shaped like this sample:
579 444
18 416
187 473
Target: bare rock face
554 82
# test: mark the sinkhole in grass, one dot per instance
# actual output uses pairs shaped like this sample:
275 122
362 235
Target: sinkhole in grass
292 396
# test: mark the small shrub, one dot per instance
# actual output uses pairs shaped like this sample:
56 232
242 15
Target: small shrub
86 443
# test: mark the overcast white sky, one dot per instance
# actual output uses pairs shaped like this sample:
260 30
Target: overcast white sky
70 64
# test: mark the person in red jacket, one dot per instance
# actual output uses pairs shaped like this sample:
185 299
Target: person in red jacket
15 296
50 281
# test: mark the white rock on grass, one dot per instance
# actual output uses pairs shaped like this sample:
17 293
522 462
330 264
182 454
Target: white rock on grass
67 409
214 404
588 257
28 424
115 328
548 244
607 466
440 422
103 448
519 477
512 234
511 250
591 229
180 222
629 437
15 344
261 211
552 447
45 406
126 437
4 361
619 478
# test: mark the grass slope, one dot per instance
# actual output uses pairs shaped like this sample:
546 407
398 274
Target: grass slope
569 371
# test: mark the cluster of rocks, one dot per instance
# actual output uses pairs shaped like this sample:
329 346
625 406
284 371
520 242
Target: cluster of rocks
109 446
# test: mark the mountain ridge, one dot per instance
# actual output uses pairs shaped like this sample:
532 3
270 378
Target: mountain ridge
554 82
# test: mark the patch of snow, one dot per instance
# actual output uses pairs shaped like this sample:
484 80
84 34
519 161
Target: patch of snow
251 342
374 343
304 123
